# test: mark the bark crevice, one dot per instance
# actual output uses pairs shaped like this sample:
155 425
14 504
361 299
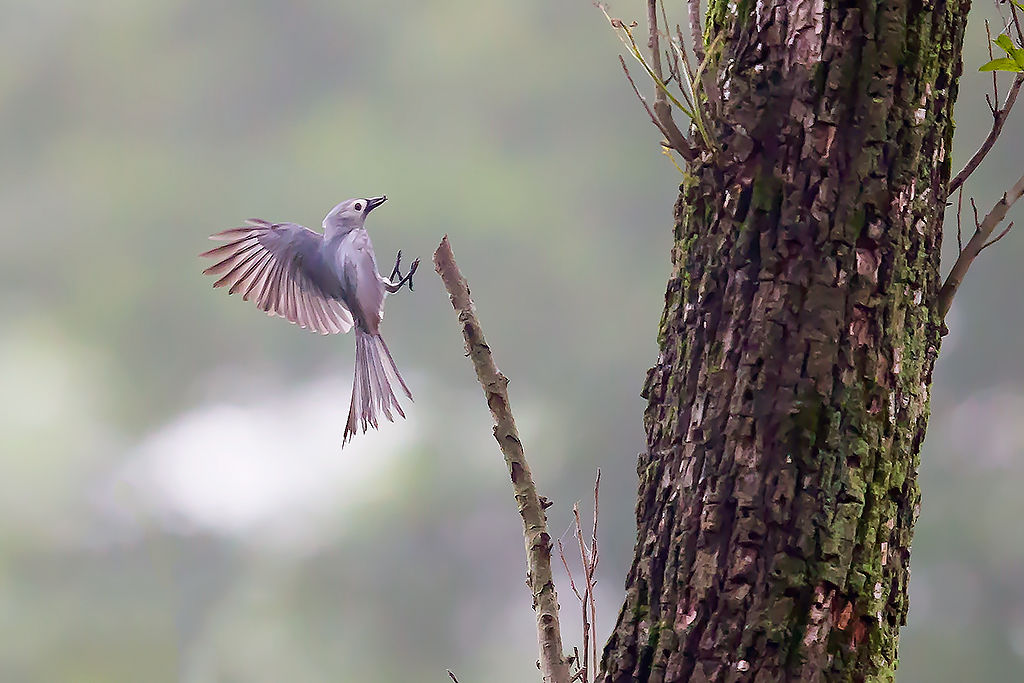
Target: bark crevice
788 404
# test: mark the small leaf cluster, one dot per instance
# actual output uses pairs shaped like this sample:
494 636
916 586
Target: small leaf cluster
1014 61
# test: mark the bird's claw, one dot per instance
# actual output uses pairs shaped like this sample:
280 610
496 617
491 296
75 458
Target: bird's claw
412 269
407 279
398 262
397 273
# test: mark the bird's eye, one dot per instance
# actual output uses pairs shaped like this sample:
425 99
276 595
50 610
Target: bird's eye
358 206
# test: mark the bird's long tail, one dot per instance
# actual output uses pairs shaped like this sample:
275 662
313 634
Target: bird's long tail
371 386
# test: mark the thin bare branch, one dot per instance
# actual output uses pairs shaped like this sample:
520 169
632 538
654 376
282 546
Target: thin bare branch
696 32
588 602
686 151
593 563
582 672
652 45
662 108
1016 23
572 581
998 119
583 600
593 536
671 57
588 588
978 242
959 233
995 81
998 237
643 100
452 676
535 527
685 55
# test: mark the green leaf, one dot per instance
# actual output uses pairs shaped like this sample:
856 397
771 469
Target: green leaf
1003 64
1004 42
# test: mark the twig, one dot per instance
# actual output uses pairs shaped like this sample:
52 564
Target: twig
978 242
696 32
588 601
685 56
588 578
582 672
994 102
671 56
1016 23
661 106
675 139
959 233
998 237
535 529
999 117
643 100
593 562
452 676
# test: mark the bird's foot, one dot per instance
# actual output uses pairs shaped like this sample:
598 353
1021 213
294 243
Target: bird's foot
398 263
408 276
397 273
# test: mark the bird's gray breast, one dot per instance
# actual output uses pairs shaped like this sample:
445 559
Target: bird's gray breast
362 291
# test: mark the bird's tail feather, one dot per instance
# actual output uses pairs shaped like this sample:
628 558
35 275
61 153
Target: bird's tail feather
371 386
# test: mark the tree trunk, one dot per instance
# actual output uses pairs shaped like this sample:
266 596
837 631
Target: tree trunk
778 492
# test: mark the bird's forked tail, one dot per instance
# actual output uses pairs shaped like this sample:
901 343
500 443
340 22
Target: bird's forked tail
371 385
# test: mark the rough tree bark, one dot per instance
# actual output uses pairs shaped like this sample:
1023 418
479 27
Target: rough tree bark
778 492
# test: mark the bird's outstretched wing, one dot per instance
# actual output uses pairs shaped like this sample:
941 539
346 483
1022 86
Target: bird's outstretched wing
279 266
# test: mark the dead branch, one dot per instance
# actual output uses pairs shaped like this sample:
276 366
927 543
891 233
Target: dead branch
999 117
662 108
587 600
535 528
959 232
593 568
685 58
979 241
582 672
994 102
643 101
998 237
696 32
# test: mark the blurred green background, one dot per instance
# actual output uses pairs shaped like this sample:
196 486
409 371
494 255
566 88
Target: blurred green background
174 502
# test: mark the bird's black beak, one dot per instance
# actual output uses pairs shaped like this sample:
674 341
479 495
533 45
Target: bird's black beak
374 202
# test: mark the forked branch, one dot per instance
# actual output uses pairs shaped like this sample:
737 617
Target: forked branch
696 32
535 528
999 116
588 602
983 231
662 109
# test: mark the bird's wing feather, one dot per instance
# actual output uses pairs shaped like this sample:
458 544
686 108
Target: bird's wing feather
280 266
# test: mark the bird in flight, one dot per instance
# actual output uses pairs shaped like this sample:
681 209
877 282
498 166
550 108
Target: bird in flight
326 283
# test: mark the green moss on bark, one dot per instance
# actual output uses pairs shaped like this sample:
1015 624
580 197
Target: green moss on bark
785 415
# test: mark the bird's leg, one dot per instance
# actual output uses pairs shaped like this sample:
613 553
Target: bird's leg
398 262
391 286
407 280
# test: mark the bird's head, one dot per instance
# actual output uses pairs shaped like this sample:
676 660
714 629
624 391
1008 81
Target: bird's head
350 214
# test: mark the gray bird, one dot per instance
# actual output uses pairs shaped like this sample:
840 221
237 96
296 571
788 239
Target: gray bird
325 283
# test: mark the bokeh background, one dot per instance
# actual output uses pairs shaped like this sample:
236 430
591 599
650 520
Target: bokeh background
174 501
